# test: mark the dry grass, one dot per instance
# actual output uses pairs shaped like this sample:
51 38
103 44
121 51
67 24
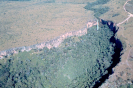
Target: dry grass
124 70
24 24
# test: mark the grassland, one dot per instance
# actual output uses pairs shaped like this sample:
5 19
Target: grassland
28 23
123 71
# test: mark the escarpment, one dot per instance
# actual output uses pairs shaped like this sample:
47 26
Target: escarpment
49 44
81 59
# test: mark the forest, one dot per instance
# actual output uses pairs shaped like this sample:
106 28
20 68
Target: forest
79 62
97 11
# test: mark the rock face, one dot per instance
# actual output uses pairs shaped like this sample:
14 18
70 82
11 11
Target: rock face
53 43
79 62
57 41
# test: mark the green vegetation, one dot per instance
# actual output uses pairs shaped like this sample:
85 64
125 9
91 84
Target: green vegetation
100 10
117 14
75 64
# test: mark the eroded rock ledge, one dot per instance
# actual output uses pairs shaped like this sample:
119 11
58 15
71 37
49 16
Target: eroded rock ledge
57 41
49 44
114 57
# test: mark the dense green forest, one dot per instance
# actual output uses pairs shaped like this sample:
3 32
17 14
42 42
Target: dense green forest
79 62
100 9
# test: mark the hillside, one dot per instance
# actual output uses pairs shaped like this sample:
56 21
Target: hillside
78 62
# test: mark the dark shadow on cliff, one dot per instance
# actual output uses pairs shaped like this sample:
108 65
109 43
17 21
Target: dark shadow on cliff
116 57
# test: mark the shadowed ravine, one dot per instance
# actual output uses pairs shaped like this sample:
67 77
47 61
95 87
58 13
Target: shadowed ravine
83 61
115 58
78 59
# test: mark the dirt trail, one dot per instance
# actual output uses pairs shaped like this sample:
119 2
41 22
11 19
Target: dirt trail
129 16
